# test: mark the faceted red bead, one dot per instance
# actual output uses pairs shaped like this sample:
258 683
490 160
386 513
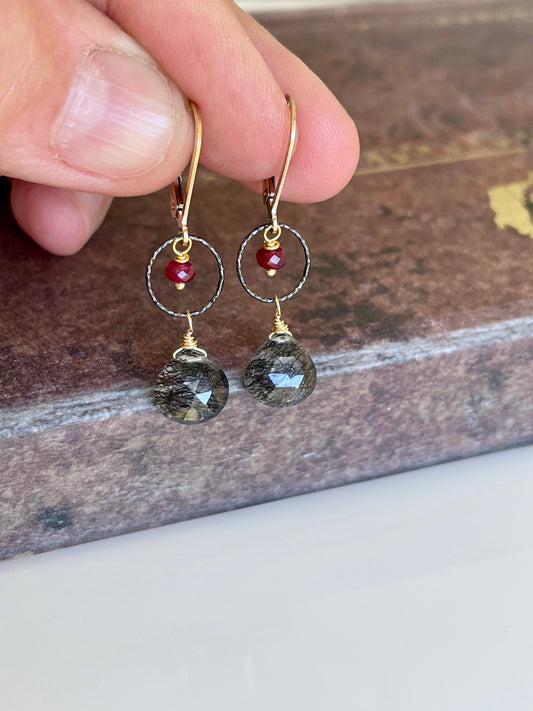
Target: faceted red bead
180 272
270 258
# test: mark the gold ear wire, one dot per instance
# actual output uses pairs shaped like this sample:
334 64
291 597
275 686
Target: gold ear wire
180 204
271 190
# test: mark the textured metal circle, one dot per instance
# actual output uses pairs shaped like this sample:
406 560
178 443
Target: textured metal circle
215 295
298 286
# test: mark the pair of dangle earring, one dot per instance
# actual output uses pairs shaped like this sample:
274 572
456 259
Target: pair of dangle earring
191 388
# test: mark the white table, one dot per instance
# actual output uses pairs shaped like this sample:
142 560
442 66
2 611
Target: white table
410 593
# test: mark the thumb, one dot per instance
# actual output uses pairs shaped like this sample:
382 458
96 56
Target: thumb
83 106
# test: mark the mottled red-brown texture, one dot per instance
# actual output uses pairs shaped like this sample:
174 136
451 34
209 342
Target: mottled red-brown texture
418 310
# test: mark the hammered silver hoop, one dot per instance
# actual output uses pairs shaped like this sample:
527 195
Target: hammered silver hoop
298 286
213 298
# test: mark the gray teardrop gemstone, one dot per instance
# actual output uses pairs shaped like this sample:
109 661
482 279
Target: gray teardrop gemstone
191 388
281 372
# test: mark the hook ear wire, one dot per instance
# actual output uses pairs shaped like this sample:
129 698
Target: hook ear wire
180 204
271 191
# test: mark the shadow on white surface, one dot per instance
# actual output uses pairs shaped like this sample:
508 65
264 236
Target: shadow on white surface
411 592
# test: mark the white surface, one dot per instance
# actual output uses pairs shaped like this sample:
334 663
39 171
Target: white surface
407 593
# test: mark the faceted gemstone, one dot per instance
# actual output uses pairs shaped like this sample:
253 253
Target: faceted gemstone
191 388
281 372
180 272
270 258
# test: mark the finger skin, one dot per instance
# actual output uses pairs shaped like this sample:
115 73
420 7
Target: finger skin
328 144
48 45
60 220
219 56
238 75
204 48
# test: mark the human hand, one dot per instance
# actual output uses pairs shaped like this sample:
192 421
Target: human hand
93 104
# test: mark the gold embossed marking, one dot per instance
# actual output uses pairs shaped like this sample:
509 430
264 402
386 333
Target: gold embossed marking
511 206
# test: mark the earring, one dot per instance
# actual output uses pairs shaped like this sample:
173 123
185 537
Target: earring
281 372
190 388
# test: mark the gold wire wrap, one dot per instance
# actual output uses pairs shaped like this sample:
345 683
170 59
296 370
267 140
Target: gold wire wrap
279 324
271 242
188 340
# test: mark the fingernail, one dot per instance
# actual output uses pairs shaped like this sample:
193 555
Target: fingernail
119 116
92 207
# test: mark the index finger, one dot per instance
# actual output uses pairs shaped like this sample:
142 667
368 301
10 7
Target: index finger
209 49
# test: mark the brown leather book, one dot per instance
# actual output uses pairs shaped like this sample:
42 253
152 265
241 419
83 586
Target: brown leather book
418 311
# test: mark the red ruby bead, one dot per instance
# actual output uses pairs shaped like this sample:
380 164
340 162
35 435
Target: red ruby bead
180 272
270 258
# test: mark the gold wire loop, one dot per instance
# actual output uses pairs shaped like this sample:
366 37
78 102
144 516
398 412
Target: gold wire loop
180 203
271 242
271 190
186 243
